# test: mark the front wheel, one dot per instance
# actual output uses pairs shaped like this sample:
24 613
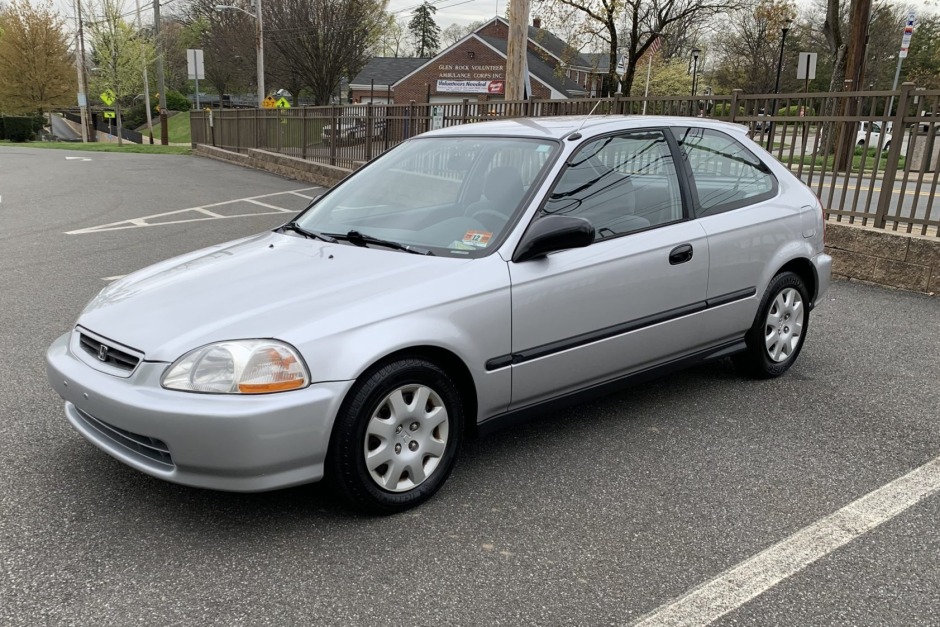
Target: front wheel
776 337
396 438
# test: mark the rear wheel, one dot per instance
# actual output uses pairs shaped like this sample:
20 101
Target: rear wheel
779 330
396 438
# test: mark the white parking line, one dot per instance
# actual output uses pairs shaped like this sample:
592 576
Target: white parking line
264 204
113 278
197 214
302 195
738 585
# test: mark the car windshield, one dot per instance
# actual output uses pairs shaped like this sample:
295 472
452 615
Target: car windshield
454 196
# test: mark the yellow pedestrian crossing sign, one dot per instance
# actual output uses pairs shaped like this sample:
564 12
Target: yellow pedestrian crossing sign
282 103
269 103
108 97
109 115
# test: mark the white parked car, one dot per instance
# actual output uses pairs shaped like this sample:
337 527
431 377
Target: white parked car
873 134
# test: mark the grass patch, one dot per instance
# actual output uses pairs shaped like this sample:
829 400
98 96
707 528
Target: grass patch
178 129
103 147
177 126
862 159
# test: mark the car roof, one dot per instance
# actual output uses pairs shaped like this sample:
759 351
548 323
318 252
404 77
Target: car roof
561 126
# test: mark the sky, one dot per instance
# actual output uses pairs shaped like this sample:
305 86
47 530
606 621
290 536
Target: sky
462 12
450 11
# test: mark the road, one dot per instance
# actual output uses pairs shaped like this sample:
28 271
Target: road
596 515
62 129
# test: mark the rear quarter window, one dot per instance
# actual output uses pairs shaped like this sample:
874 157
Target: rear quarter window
725 174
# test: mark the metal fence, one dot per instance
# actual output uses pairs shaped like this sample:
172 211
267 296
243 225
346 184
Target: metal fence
872 157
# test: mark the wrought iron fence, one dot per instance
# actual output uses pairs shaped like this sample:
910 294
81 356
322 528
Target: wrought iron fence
872 157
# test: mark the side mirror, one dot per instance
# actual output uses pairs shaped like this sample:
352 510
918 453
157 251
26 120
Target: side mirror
552 233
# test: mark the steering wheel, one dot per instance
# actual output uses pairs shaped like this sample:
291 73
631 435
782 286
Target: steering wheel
490 218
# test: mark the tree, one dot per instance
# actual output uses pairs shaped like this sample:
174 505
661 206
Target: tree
391 42
749 46
324 40
425 33
37 73
119 51
629 27
455 32
227 39
669 77
922 65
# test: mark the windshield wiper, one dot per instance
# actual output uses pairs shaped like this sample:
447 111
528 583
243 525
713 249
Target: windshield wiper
360 239
296 228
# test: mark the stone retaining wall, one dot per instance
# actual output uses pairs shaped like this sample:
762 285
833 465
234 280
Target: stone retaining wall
907 262
283 165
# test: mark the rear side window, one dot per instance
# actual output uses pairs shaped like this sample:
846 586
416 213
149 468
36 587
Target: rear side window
620 184
726 175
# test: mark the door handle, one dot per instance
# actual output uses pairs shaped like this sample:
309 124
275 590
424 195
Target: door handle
680 254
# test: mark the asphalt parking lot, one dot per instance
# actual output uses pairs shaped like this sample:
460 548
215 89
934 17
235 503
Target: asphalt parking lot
596 515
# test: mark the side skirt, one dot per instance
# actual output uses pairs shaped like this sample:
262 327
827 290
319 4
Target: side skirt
536 410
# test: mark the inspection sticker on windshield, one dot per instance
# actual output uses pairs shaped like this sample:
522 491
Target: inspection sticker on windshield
477 238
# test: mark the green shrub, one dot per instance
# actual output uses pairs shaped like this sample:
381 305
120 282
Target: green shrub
794 111
21 128
723 109
176 101
136 115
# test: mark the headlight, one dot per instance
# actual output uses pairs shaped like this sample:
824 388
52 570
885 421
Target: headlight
238 367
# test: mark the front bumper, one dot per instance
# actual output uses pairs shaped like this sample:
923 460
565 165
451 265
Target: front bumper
222 442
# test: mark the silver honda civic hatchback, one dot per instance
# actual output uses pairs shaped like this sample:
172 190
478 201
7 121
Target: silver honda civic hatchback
468 277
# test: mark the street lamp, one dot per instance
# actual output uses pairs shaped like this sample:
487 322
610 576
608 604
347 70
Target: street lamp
259 42
695 54
787 23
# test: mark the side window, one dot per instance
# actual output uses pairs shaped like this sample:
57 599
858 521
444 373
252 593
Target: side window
620 184
726 174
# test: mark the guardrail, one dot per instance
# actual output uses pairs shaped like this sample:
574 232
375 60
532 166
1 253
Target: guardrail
872 157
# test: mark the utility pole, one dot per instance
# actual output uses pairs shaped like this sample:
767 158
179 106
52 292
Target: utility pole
516 49
161 85
854 72
146 81
259 47
79 67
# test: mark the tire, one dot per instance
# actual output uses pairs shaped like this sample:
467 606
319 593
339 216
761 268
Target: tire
775 339
412 448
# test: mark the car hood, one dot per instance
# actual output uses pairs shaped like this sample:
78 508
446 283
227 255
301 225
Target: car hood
260 287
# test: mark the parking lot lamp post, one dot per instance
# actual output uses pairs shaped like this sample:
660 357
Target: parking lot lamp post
695 54
259 42
787 23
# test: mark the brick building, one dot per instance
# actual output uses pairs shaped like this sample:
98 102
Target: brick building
475 68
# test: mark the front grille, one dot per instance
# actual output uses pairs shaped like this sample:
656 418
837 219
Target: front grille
113 356
151 448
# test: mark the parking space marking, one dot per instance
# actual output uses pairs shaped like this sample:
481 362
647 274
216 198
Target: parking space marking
264 204
113 278
196 214
754 576
302 195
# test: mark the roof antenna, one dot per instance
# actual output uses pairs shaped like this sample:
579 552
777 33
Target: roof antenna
576 134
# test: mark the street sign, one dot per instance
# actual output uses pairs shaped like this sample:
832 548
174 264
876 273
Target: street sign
109 115
82 100
194 64
806 68
269 103
108 97
437 118
906 37
281 103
